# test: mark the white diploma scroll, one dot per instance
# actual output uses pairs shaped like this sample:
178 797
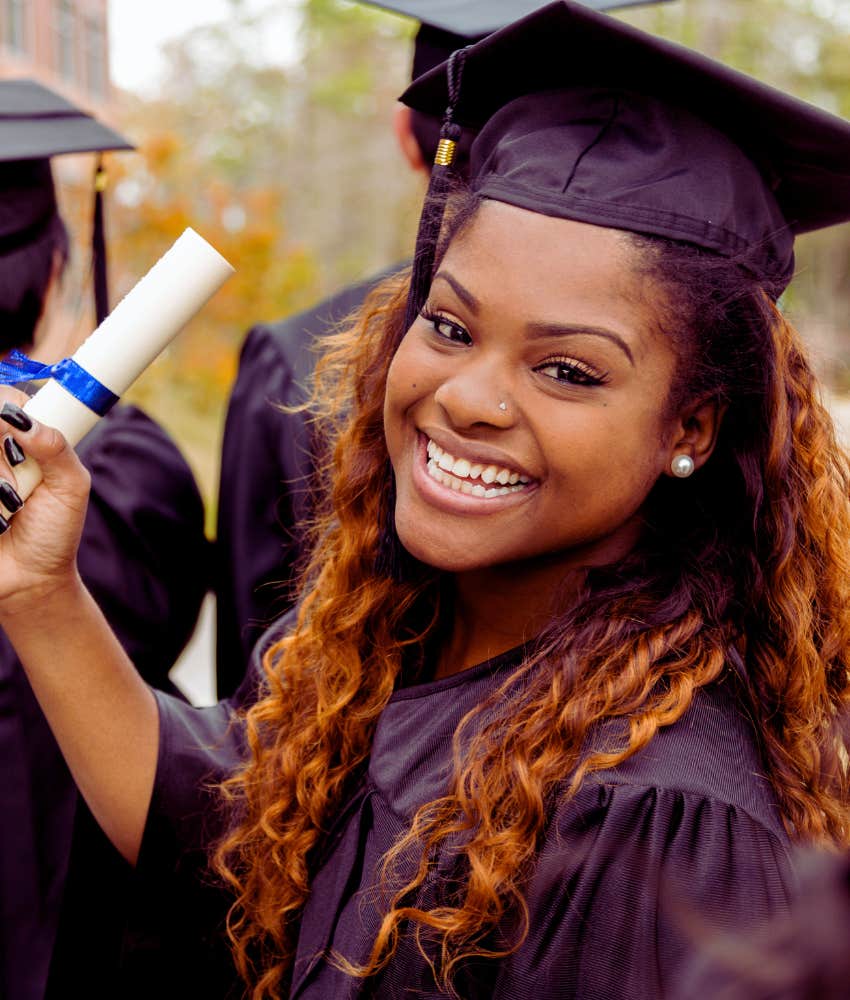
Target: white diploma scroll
143 323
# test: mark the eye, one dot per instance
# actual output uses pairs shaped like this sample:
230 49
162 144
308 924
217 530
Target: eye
446 328
570 371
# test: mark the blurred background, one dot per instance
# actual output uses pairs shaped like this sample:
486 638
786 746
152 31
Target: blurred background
264 124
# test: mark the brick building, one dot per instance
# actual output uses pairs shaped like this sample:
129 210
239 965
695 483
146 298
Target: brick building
62 43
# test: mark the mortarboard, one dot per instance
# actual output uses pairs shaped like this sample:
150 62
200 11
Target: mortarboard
36 124
476 18
447 25
583 117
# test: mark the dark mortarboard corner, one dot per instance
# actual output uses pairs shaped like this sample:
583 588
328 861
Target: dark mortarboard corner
35 124
630 131
472 19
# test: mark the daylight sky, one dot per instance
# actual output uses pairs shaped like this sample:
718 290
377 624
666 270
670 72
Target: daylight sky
138 29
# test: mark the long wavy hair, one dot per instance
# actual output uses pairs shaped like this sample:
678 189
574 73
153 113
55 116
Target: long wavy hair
743 568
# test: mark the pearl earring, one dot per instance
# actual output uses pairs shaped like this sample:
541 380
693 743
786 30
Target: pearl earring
682 466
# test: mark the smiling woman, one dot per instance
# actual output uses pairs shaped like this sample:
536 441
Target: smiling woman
569 663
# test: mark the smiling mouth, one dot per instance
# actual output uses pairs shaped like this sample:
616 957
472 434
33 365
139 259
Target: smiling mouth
473 478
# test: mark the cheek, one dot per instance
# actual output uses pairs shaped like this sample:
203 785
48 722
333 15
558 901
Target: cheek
402 389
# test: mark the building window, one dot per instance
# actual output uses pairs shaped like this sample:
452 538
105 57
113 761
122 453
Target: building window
65 62
95 48
16 26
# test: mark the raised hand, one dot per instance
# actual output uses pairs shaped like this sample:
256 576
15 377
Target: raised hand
38 545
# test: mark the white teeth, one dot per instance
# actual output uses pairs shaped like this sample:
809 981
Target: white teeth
462 486
454 473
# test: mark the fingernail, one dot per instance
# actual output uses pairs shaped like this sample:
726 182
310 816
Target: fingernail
14 452
4 524
9 497
15 416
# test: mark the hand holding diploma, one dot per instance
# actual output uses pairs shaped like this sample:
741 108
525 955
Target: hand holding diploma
101 712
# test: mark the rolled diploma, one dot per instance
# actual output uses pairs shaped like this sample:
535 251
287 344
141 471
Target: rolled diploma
143 323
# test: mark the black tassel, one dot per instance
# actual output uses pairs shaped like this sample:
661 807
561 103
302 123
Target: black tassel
98 248
434 208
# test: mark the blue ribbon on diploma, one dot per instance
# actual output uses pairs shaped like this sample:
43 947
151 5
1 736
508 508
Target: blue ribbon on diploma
75 379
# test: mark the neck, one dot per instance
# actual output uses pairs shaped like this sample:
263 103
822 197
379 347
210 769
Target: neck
498 608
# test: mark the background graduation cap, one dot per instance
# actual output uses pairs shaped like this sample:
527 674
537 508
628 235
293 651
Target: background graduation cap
582 117
35 124
447 25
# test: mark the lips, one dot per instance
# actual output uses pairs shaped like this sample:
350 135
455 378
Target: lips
471 477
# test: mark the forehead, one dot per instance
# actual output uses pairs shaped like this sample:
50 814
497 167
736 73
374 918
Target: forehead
538 269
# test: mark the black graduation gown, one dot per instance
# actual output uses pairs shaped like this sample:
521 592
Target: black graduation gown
265 468
143 556
685 832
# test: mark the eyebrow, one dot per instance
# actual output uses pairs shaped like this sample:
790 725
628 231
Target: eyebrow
540 330
465 296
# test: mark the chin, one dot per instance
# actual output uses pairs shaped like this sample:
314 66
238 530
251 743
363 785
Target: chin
439 555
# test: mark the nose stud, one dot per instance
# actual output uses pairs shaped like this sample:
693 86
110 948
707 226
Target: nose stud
503 405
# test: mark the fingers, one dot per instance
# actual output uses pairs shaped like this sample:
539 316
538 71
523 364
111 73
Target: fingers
28 438
13 451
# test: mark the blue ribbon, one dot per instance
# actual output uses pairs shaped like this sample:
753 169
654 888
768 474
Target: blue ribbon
17 367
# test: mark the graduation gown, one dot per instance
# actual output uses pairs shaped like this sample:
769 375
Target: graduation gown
683 835
265 469
143 556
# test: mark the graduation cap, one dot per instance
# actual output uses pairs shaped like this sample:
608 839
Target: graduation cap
447 25
35 124
582 117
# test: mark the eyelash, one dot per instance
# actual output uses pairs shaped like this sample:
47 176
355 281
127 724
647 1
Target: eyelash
578 373
435 319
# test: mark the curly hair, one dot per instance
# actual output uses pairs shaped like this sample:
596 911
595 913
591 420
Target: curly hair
744 568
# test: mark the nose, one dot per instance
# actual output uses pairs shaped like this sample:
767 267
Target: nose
476 395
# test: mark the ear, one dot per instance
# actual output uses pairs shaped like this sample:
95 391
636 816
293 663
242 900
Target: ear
696 431
407 140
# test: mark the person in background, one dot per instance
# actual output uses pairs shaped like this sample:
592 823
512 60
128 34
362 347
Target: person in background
571 653
142 555
264 497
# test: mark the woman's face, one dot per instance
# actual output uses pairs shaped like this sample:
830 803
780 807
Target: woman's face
525 409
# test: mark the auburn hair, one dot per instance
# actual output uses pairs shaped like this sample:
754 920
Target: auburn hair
743 568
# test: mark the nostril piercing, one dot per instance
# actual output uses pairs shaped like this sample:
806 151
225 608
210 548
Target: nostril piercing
503 405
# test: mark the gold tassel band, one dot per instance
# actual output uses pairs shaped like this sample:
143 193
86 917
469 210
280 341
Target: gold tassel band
445 153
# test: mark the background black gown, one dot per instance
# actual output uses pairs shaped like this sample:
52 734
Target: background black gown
684 835
266 463
143 556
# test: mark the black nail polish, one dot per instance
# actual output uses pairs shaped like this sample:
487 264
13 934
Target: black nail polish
15 416
9 497
4 524
14 452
